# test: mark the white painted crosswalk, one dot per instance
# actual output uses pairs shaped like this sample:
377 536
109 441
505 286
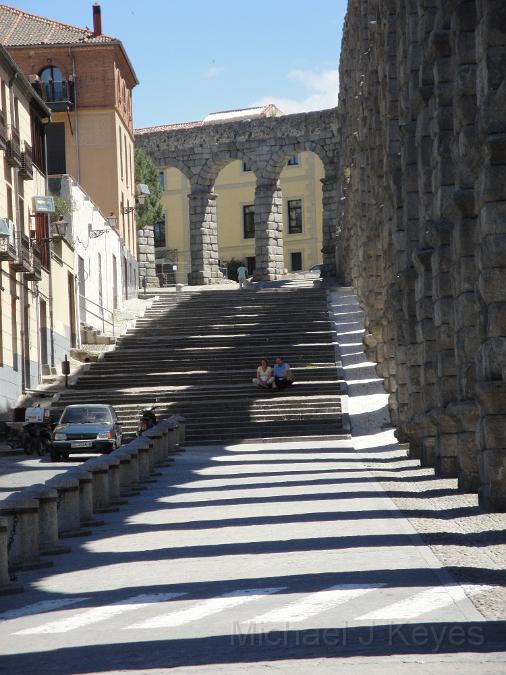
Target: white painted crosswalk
422 603
40 608
315 603
207 608
411 605
97 614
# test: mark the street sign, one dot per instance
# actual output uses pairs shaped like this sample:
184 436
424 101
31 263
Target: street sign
43 204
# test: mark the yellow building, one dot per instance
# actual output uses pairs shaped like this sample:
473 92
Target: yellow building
235 188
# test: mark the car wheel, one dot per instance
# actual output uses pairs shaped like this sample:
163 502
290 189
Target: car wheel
55 455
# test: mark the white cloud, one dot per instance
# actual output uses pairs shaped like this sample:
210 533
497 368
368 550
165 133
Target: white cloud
214 71
320 91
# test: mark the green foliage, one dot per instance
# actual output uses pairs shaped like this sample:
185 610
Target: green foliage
232 266
151 211
61 208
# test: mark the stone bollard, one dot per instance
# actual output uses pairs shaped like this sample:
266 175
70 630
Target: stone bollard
68 506
23 548
99 469
85 496
114 481
156 436
170 429
6 585
179 288
181 434
145 449
49 541
129 470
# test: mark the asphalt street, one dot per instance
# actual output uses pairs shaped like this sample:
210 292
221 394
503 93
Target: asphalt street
251 558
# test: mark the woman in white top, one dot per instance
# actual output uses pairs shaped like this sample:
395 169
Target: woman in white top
264 378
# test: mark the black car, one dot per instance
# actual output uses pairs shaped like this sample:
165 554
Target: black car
86 428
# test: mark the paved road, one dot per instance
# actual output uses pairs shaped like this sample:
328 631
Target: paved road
251 558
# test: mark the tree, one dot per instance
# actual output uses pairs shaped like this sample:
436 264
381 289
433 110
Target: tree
151 211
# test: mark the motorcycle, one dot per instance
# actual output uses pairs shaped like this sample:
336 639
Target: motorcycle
147 420
36 438
36 432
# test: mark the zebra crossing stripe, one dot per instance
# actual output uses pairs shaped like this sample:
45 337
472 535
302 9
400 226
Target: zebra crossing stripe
315 603
40 608
423 603
206 608
97 614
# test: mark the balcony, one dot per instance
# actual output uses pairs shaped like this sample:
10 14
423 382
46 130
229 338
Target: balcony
35 274
59 96
26 170
3 131
23 262
7 242
13 149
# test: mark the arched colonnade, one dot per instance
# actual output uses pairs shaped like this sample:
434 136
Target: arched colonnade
265 145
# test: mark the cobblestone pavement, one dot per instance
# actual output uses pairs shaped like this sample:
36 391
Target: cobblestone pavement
468 541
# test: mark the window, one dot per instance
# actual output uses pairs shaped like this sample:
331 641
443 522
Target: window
56 159
161 179
120 153
54 86
294 160
296 261
38 149
248 221
246 166
41 237
295 216
159 230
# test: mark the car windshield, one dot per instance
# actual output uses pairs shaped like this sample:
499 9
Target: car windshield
86 415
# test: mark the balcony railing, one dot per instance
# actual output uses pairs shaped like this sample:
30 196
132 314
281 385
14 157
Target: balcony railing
26 170
35 273
3 131
13 149
7 241
23 262
58 95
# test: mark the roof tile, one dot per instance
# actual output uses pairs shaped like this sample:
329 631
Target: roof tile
18 28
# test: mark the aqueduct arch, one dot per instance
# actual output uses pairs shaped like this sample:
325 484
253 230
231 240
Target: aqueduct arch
265 143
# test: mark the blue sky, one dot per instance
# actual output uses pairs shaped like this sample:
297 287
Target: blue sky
193 58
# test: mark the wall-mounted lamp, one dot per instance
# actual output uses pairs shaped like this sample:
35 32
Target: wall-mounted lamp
141 194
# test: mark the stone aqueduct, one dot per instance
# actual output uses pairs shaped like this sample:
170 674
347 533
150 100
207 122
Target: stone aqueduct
414 210
265 144
422 119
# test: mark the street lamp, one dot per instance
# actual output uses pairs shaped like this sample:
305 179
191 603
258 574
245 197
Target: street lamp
141 195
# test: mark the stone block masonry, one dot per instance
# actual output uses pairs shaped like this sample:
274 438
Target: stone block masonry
146 257
422 222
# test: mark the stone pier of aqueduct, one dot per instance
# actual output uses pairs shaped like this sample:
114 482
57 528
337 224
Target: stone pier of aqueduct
265 144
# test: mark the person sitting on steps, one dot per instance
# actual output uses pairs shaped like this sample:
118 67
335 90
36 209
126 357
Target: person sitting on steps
264 378
282 374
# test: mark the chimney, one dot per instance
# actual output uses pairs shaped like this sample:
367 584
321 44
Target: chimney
97 20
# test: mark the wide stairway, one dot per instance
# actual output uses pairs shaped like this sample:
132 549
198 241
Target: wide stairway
195 353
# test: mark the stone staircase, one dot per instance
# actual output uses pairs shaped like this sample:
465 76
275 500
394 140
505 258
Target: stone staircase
195 353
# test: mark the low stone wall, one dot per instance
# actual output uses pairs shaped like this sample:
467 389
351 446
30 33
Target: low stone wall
422 215
34 521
